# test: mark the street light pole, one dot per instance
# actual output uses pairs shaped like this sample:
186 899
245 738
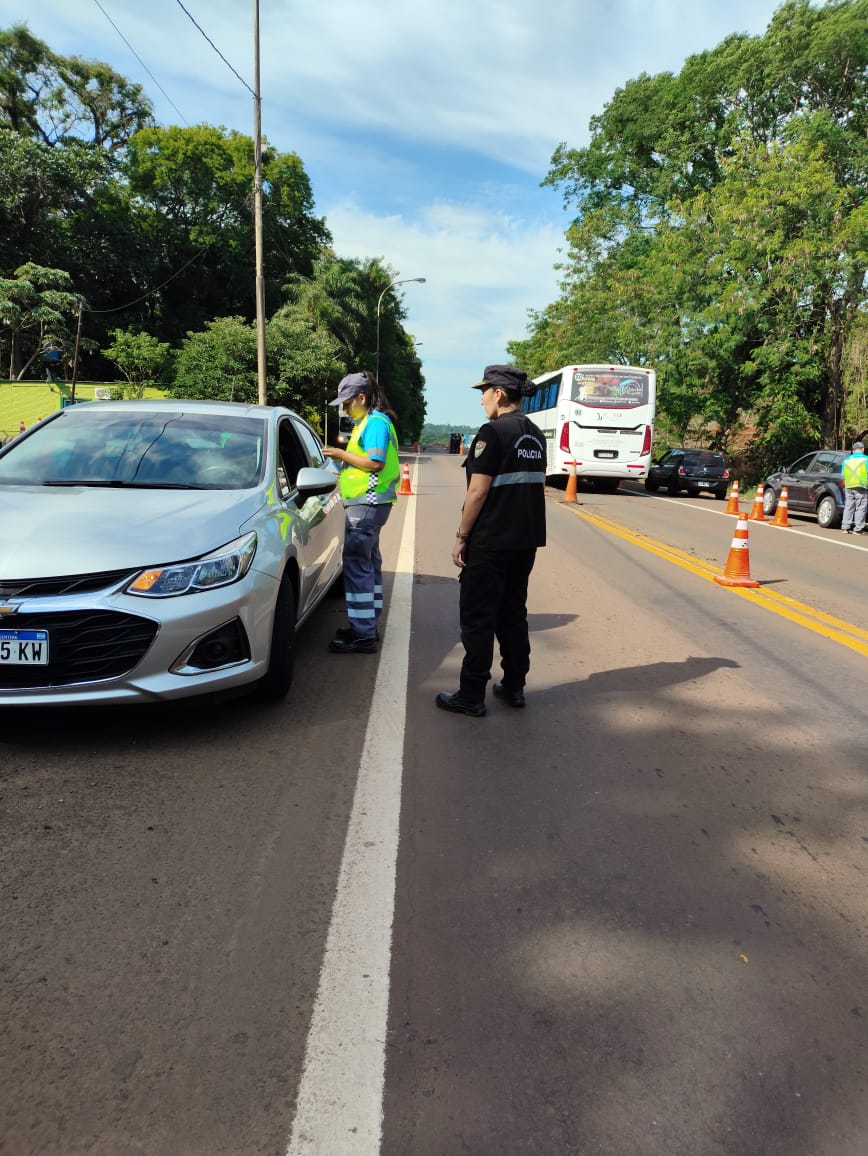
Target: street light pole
257 216
400 281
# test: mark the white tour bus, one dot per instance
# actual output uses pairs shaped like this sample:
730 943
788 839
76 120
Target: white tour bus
599 416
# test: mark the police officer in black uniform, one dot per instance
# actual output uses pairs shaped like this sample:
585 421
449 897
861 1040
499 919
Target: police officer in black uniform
503 522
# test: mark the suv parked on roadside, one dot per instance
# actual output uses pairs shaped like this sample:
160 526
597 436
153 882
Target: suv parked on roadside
814 486
697 471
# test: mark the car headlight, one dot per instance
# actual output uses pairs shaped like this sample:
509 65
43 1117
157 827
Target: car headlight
226 565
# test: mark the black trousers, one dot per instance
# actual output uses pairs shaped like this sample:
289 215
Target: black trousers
493 604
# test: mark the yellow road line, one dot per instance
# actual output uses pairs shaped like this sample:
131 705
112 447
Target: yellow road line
835 629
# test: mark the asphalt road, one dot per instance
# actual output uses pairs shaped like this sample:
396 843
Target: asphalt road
628 920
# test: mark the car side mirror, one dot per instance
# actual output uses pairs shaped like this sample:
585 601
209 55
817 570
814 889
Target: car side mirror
312 482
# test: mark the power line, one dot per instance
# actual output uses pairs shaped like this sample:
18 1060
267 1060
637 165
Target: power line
151 292
156 82
217 50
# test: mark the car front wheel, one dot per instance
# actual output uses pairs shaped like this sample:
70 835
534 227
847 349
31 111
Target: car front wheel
770 501
828 514
275 683
651 487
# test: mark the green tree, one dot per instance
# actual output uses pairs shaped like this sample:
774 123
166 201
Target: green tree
218 363
142 360
191 190
55 98
720 232
36 308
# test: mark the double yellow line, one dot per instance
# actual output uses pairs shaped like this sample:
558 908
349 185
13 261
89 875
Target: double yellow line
844 633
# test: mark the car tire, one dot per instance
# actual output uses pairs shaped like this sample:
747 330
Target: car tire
720 494
770 501
828 513
673 489
275 683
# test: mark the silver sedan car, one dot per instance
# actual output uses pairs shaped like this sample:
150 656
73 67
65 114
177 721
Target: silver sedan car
159 549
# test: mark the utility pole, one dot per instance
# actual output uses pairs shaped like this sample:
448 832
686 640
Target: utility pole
75 355
257 211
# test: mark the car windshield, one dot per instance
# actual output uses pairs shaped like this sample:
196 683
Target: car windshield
142 448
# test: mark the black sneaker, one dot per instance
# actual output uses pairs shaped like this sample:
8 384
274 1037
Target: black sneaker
513 697
346 633
848 531
459 705
356 644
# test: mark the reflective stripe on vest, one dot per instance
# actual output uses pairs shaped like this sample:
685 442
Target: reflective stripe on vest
371 487
855 471
521 478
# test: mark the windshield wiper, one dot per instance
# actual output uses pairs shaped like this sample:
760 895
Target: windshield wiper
116 483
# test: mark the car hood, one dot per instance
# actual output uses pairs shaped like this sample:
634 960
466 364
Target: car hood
47 531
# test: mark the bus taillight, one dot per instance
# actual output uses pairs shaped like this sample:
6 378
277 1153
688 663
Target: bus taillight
646 441
565 437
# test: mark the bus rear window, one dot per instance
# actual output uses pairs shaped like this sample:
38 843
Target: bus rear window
610 389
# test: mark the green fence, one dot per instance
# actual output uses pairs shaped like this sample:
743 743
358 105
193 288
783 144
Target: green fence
28 401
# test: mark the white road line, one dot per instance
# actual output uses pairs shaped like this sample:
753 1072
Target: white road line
340 1097
792 528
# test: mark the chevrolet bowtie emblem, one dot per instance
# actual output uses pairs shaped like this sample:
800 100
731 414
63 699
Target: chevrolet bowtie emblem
5 609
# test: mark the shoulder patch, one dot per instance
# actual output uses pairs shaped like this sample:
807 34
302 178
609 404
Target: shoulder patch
479 449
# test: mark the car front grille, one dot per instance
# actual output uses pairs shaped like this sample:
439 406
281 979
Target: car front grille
69 584
84 646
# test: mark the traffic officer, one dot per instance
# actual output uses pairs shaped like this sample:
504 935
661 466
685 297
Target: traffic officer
854 470
503 522
370 469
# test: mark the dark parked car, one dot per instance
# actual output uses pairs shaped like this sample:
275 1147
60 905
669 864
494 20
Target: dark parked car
814 486
697 471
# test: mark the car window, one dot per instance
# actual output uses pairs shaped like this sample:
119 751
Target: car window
291 454
704 458
311 444
802 465
826 463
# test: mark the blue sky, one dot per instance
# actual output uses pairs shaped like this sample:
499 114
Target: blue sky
425 126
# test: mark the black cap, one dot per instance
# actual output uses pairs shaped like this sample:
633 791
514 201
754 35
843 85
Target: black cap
508 377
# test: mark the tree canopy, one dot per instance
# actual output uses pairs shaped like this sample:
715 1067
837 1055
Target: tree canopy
150 230
721 234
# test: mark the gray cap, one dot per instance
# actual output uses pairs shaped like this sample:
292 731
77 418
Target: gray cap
350 385
858 446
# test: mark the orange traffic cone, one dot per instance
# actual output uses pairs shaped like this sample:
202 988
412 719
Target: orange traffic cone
732 500
780 518
404 488
756 514
572 484
737 569
21 427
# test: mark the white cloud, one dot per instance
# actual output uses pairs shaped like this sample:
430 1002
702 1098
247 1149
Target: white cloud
483 270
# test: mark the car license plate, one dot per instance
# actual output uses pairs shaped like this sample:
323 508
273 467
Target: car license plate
24 647
706 484
606 454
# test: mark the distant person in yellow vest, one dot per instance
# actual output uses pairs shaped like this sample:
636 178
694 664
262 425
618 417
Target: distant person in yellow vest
854 470
369 471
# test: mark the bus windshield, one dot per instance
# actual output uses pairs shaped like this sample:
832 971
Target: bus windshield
609 389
